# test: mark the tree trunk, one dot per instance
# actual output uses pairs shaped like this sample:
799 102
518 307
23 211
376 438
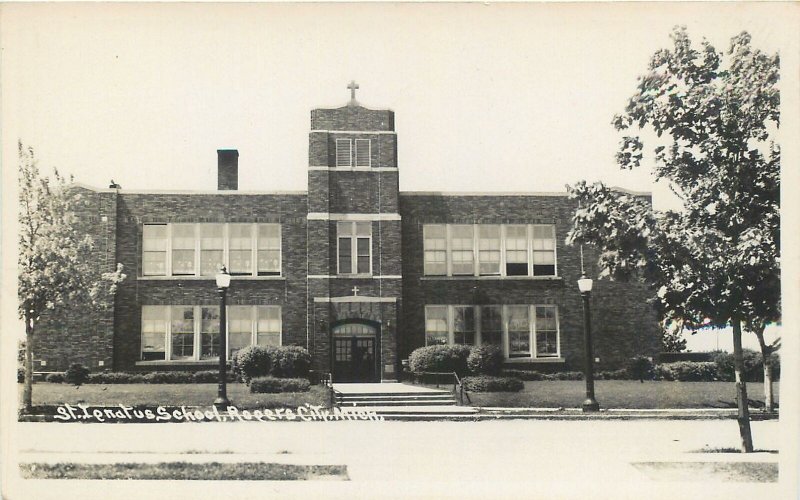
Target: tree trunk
741 389
27 393
766 351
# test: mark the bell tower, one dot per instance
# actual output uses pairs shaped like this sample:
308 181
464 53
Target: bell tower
354 238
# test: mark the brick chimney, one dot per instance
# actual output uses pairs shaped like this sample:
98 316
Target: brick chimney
227 169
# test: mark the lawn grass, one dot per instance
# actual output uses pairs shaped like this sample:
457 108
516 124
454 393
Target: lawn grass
748 472
248 471
170 395
629 394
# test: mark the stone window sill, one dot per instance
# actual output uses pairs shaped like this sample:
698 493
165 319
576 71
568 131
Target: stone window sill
492 278
209 278
180 362
534 360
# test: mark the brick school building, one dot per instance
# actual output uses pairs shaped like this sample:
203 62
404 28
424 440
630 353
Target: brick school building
353 269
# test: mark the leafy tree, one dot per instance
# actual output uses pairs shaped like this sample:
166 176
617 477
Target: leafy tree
54 272
715 263
672 337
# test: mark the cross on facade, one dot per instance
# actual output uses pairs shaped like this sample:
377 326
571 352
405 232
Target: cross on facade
355 291
353 86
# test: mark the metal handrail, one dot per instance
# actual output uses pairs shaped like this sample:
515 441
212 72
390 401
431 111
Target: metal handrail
458 385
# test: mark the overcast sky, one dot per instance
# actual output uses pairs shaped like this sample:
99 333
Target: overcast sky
487 97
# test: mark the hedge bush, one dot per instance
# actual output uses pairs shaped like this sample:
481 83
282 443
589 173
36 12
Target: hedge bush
201 377
272 385
687 371
56 378
20 375
282 362
76 374
488 383
440 358
639 368
485 360
753 365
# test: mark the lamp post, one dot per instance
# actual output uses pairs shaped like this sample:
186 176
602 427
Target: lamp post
223 283
585 287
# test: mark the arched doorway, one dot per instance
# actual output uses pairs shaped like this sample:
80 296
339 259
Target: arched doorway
355 351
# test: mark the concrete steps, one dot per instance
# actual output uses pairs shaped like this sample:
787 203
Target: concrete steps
400 401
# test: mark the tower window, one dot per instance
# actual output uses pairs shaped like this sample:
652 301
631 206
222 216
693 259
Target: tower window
344 153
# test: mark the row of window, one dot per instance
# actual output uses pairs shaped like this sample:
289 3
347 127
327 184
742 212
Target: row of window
349 156
246 249
522 331
251 249
489 249
192 332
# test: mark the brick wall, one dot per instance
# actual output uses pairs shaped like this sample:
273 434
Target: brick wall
84 334
288 291
623 323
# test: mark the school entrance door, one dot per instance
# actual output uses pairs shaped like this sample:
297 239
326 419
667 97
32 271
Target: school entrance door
355 352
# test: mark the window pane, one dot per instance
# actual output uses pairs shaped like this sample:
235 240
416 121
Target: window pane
362 152
239 252
183 242
489 248
363 228
464 325
154 247
343 153
269 326
154 332
211 243
544 253
240 328
363 255
345 256
461 243
182 325
209 332
516 251
491 325
435 247
519 338
435 325
344 228
546 332
269 249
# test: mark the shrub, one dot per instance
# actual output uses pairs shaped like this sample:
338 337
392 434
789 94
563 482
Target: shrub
20 375
485 360
687 371
76 374
566 376
524 374
753 366
440 358
290 362
621 374
55 378
260 361
211 377
488 383
273 384
168 378
639 368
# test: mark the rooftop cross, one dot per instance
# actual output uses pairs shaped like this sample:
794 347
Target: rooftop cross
353 86
355 291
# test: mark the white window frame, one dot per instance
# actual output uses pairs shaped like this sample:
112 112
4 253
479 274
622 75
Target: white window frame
529 252
349 143
225 250
197 327
167 250
354 237
504 332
